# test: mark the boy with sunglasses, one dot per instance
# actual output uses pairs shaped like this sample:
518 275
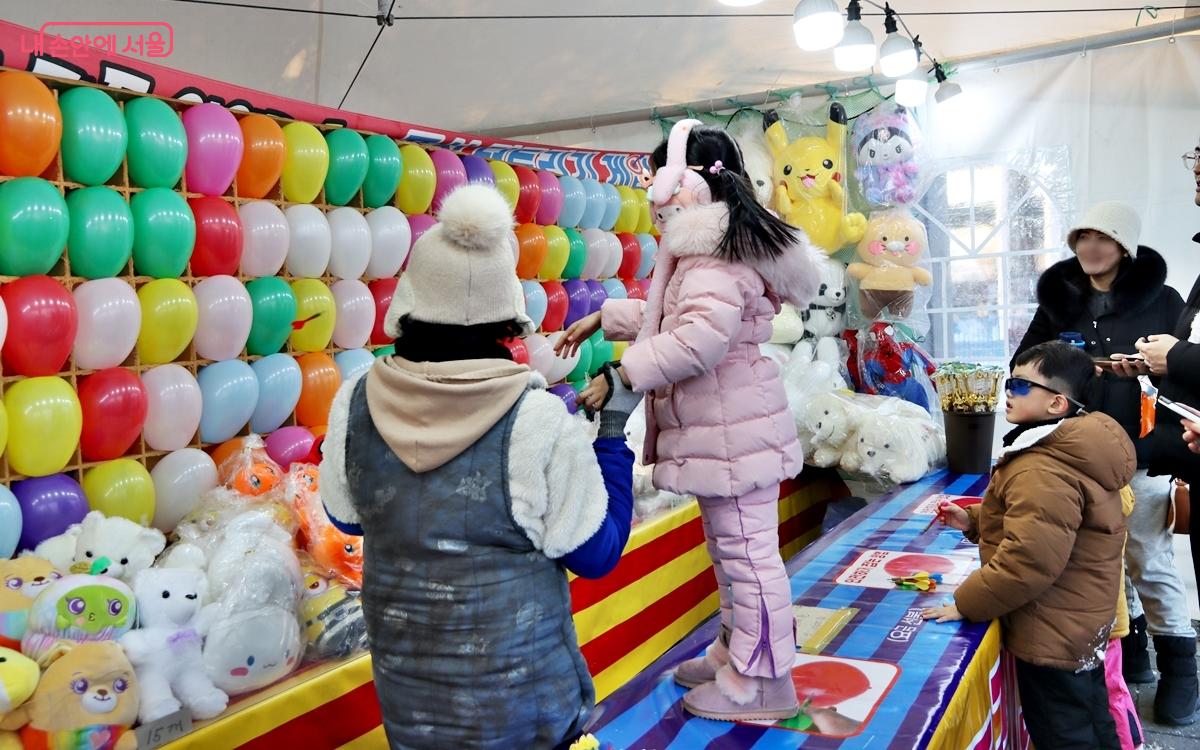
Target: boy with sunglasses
1051 531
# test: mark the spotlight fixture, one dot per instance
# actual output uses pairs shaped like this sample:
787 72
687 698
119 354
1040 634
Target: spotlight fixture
946 89
817 24
856 51
897 54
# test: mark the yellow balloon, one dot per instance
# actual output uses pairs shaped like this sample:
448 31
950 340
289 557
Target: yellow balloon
314 303
558 251
169 316
627 221
506 182
619 348
306 162
417 182
121 488
645 220
45 420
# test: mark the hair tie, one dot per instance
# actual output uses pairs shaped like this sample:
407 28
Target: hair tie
717 167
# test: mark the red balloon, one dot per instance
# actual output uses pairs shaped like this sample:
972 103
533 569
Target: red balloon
631 255
382 290
518 350
114 404
644 285
557 303
218 237
634 289
42 321
530 197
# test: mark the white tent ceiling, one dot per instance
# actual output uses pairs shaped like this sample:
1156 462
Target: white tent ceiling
473 74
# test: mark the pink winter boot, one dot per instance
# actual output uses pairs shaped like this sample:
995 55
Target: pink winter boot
735 697
695 672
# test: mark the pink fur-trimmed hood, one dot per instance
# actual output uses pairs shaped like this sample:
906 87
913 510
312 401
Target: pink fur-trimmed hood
793 277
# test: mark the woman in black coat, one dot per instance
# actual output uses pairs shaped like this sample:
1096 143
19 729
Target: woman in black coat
1113 293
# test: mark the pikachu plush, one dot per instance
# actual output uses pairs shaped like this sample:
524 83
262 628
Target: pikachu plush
808 174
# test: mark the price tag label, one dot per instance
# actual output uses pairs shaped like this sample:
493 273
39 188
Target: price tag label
167 729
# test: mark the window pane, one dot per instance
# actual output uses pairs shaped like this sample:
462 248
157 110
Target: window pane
973 282
975 336
1018 324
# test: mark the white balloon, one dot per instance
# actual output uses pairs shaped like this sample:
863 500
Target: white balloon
391 239
541 354
351 243
109 320
309 242
355 313
515 244
264 238
180 480
224 319
561 367
175 405
4 323
615 254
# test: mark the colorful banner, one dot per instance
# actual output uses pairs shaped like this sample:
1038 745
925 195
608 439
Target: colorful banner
61 50
877 674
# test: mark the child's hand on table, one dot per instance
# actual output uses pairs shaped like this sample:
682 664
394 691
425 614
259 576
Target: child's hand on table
944 613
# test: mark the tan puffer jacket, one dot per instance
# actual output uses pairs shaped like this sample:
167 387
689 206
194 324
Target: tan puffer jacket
1050 533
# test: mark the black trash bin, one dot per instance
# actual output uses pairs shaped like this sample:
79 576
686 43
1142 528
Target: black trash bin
969 440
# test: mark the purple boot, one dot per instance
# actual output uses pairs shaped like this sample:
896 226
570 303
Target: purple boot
695 672
734 697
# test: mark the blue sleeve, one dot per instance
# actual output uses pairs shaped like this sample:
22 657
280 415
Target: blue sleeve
352 529
601 552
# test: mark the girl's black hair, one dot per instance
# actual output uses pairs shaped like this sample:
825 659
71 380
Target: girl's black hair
754 232
438 342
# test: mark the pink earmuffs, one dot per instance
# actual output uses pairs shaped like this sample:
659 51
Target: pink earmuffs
677 185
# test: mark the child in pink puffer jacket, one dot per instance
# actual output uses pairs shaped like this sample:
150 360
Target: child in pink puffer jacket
718 425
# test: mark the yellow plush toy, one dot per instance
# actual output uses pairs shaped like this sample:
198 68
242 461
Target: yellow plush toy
18 679
888 267
21 580
808 175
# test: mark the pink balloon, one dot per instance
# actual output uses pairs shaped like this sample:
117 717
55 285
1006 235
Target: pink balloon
287 445
541 355
552 199
214 148
225 317
451 175
419 224
175 406
355 313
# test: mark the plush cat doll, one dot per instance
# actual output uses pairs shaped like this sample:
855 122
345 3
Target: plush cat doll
21 580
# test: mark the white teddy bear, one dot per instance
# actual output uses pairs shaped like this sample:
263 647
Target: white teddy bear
166 649
896 442
826 424
756 157
114 547
825 318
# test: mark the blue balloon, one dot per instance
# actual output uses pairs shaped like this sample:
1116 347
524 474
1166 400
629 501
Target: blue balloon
574 201
612 207
352 363
597 203
615 289
10 523
279 382
649 250
535 302
229 391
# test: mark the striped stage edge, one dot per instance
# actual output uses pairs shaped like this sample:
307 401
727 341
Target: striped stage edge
661 590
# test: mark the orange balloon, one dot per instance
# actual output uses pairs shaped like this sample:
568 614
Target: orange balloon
320 379
532 242
221 455
262 159
30 124
318 431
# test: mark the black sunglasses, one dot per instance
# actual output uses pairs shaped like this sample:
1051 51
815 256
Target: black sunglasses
1022 387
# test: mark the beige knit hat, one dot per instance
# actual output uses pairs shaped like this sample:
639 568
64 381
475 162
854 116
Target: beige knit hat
1118 220
461 271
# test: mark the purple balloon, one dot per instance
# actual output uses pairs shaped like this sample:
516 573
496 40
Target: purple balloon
48 506
552 199
568 395
214 148
598 293
478 171
287 445
451 175
579 300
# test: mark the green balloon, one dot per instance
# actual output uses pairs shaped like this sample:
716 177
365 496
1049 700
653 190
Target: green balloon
383 172
578 254
385 351
33 226
602 352
274 309
101 238
94 136
348 165
164 233
157 143
585 362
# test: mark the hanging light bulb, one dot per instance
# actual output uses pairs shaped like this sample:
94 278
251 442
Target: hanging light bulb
740 3
946 89
817 24
856 51
897 56
912 88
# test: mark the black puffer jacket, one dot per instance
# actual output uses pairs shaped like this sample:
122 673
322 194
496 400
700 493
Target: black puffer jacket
1142 305
1182 383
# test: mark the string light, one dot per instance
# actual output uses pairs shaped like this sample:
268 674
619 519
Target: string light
897 54
817 24
856 52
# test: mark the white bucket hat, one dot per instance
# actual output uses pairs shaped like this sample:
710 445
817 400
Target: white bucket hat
1113 218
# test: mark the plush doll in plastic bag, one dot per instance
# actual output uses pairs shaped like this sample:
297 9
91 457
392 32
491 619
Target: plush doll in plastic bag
78 609
889 266
165 650
756 157
890 365
825 318
886 142
250 648
18 679
21 580
249 471
332 617
809 177
86 698
825 425
788 325
895 443
113 546
335 551
251 562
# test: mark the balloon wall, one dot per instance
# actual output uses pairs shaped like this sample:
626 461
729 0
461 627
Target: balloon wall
174 276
